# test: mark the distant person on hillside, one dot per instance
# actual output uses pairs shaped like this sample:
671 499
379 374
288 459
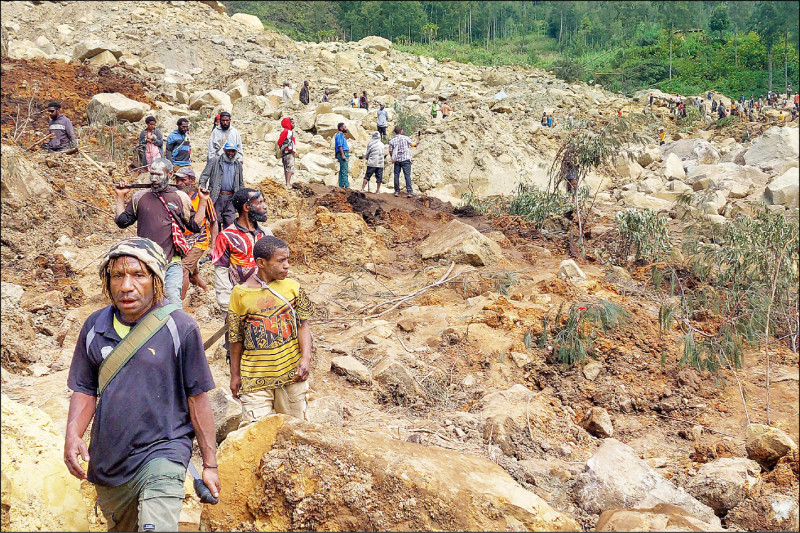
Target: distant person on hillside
304 96
216 121
651 99
446 110
544 120
270 337
287 148
60 128
434 109
325 96
550 120
570 120
342 151
713 106
354 101
363 103
702 108
400 150
374 156
708 95
286 96
383 120
150 143
662 135
223 177
571 175
179 150
224 134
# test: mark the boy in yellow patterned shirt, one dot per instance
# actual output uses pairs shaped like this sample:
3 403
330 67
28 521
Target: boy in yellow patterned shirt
270 339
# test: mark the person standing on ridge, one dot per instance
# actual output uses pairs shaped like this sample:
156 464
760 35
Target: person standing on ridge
305 97
374 156
150 143
400 150
179 149
287 148
222 135
383 120
60 128
342 151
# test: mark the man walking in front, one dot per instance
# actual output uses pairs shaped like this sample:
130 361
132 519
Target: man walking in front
287 148
342 154
223 177
270 337
179 150
400 150
60 128
163 213
139 370
222 135
383 120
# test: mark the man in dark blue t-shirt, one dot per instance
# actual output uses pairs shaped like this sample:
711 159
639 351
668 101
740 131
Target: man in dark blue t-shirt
151 409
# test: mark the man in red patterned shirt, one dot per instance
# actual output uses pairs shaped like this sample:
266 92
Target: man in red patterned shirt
232 255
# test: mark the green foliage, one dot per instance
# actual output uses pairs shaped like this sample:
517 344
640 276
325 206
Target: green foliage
576 330
536 205
644 233
493 205
628 42
568 69
410 122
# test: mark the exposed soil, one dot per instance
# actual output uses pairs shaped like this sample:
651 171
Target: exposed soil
34 83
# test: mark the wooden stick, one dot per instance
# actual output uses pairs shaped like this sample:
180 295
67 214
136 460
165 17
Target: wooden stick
92 161
43 139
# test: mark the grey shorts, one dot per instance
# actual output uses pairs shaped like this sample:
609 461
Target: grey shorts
150 501
288 162
378 171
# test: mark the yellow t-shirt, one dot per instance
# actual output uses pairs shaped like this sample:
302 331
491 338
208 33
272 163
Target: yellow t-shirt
266 327
121 329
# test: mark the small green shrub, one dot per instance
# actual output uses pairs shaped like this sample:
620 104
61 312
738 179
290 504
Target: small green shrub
410 121
574 331
536 205
643 233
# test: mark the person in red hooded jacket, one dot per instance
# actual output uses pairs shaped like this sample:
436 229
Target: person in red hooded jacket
287 147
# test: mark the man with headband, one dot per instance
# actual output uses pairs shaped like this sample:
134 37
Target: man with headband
140 372
163 214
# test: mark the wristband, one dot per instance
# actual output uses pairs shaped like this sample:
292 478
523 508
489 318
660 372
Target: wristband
207 466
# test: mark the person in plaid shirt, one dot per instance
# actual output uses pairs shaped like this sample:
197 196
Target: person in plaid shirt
400 150
185 181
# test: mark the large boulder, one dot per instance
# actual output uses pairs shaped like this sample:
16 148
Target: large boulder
396 378
616 478
346 61
237 90
227 412
103 59
673 168
92 47
625 166
351 368
598 422
705 153
461 243
251 21
209 98
496 78
327 124
285 475
318 164
776 145
643 201
117 105
662 517
20 179
39 492
724 483
373 43
767 444
569 270
784 189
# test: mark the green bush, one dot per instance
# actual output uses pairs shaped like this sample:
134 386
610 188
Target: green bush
643 233
568 69
574 331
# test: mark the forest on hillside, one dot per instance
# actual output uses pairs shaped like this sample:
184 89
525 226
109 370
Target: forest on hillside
745 47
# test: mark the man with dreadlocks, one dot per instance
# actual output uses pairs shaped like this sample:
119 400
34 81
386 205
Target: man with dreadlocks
140 371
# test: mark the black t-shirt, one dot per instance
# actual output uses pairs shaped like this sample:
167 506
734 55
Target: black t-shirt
144 411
